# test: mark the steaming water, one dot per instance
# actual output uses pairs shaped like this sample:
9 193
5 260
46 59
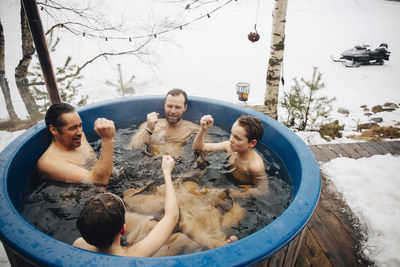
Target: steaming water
53 207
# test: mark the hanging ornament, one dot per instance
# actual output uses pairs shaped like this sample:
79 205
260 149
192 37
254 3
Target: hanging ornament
254 36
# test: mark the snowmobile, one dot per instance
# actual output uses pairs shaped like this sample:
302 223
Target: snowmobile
363 55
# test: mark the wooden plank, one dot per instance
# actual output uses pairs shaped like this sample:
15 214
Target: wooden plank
332 249
380 148
353 154
339 151
334 224
278 258
313 252
302 260
396 144
392 150
301 238
318 155
361 150
369 148
341 236
331 202
327 152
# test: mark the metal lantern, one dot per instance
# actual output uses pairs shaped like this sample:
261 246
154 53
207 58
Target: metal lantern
243 90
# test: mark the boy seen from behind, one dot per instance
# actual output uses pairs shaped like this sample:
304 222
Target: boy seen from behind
102 222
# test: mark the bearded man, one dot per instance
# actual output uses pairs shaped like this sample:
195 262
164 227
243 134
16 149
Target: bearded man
166 135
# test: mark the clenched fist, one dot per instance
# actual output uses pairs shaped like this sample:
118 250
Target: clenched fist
105 128
206 122
151 121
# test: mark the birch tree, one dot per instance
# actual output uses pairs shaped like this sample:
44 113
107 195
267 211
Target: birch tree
275 60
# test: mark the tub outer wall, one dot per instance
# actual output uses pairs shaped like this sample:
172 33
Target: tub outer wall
274 245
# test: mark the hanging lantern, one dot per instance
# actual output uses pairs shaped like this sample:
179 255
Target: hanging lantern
253 36
243 90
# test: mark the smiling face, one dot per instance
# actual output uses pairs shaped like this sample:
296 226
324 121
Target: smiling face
70 134
174 108
238 139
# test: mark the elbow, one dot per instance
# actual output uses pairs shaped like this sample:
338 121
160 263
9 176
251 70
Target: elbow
196 146
103 179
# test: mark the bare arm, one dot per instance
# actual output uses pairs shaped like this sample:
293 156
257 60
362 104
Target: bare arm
145 130
102 170
206 122
162 231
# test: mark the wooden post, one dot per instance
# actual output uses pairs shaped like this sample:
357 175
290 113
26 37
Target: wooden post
35 24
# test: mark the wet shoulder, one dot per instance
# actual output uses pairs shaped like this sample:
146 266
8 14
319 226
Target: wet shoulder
256 164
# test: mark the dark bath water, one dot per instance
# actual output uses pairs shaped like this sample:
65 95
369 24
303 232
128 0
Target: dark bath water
53 207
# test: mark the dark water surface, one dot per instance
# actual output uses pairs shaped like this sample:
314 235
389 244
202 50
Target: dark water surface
53 207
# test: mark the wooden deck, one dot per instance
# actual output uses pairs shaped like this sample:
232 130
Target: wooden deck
331 238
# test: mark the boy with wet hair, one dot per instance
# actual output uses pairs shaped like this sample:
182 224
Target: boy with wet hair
102 222
110 208
247 166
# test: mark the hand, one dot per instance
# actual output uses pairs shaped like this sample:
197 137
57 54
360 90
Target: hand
105 128
152 119
167 164
206 122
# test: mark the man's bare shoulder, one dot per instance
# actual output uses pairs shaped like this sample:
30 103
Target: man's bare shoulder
49 155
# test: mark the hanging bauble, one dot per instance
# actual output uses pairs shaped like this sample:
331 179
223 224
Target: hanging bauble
253 36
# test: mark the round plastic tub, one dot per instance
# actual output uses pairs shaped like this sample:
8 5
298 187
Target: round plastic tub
276 244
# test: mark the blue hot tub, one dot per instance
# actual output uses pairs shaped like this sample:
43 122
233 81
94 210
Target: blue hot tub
274 245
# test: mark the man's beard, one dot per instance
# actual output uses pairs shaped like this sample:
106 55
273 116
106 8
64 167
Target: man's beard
173 120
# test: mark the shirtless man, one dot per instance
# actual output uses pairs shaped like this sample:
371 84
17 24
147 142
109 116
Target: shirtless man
247 166
169 135
69 156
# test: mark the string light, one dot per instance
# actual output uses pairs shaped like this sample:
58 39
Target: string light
149 35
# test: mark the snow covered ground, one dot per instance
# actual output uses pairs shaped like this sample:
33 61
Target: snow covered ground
371 189
209 57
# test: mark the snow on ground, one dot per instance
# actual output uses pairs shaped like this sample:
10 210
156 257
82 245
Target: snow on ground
370 186
209 57
7 137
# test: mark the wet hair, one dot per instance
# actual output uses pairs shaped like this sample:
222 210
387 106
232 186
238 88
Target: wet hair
177 92
101 219
253 126
53 114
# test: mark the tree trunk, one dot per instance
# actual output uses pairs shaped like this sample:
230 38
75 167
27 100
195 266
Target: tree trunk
21 71
3 81
275 60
